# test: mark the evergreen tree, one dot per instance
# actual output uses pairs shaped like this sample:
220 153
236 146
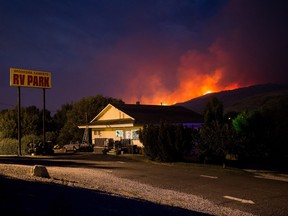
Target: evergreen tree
216 136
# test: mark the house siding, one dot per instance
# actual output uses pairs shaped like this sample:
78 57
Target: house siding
110 133
121 122
113 113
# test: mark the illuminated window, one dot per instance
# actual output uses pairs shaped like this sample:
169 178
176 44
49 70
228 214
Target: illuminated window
119 133
135 134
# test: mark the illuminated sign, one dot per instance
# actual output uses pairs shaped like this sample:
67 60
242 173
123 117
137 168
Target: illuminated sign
30 78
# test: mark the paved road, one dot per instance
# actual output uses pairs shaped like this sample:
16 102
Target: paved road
233 188
22 198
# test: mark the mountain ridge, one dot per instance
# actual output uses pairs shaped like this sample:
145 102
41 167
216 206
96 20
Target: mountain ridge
244 98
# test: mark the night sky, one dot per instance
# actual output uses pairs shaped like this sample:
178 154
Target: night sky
152 51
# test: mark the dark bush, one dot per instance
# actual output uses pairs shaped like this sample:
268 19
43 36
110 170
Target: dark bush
166 142
9 146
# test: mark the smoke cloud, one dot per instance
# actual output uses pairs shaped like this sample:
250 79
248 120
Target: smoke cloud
151 51
248 46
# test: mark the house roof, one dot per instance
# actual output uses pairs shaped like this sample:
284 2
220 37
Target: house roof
112 122
149 114
154 114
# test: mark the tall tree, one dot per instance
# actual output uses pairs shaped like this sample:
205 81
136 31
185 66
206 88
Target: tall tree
254 130
30 121
8 123
213 111
81 113
60 117
216 136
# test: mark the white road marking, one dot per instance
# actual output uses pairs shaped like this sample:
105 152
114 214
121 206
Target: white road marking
212 177
121 162
239 200
268 175
108 171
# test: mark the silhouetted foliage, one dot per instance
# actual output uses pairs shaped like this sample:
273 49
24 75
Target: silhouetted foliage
8 124
262 134
166 142
149 137
216 140
60 117
9 146
213 111
31 122
216 135
81 113
279 128
258 135
62 127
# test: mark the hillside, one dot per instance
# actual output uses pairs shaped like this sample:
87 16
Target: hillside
247 98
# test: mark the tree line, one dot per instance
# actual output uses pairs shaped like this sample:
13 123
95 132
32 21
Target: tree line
250 136
61 128
255 135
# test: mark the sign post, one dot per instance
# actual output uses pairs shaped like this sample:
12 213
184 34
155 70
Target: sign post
19 121
33 79
44 118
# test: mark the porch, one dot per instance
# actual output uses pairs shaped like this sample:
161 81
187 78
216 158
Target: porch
116 147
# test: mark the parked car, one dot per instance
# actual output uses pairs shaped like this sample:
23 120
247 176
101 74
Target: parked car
40 149
83 147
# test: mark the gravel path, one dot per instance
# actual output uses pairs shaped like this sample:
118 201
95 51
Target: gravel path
104 181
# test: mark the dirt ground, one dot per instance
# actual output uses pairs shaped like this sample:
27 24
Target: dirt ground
19 197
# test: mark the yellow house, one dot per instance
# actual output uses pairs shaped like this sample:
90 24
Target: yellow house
123 122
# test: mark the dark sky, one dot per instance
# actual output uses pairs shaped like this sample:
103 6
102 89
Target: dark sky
151 51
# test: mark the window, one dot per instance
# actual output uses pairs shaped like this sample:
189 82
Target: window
135 134
119 133
97 132
128 134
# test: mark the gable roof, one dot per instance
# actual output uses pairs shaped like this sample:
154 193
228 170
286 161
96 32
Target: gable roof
139 115
154 114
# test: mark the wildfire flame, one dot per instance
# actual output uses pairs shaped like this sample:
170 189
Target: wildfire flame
188 88
197 75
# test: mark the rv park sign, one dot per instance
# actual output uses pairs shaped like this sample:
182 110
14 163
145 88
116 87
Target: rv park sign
30 78
33 79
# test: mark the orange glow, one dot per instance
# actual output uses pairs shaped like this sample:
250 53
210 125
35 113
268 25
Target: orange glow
197 74
208 92
188 88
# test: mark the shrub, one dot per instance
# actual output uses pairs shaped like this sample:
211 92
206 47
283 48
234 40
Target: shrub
166 142
8 146
26 140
